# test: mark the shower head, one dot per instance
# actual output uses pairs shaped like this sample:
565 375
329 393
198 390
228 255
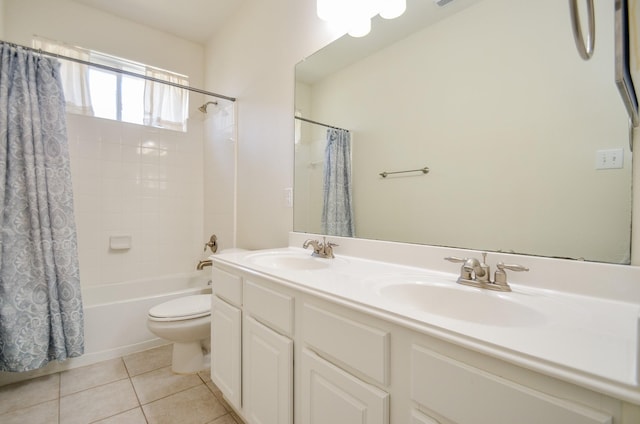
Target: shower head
203 108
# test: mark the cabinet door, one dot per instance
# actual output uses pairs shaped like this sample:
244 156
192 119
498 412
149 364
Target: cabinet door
331 395
226 342
267 375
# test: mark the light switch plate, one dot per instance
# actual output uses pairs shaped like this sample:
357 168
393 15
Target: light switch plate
609 159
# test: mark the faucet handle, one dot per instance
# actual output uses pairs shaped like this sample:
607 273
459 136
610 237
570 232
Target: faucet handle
455 259
513 267
328 249
501 275
212 244
464 273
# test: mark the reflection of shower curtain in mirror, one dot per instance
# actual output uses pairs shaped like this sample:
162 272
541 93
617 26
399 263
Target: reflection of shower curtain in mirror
41 317
337 211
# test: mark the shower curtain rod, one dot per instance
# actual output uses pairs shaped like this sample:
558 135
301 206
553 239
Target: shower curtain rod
319 123
121 71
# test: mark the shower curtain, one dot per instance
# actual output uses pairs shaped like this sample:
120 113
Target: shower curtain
337 211
41 316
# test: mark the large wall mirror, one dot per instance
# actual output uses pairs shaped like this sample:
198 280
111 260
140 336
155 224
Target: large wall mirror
492 97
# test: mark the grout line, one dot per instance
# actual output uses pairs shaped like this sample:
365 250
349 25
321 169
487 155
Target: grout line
118 413
169 395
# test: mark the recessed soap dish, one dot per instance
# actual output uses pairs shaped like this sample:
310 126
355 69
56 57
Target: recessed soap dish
120 242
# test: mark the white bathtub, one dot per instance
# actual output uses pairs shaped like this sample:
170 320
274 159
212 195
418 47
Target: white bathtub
115 315
115 319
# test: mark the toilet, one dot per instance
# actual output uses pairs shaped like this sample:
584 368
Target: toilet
186 322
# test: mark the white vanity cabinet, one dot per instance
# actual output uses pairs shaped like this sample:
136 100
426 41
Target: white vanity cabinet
310 358
252 349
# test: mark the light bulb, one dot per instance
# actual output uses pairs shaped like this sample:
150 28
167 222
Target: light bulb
360 27
390 9
327 10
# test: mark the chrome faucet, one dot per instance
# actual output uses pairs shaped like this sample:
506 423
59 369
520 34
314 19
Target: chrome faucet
477 274
320 250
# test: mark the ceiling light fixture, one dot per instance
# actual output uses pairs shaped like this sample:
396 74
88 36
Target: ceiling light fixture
354 16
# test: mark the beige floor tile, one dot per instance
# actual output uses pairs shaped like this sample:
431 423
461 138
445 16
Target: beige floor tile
28 393
193 406
134 416
148 360
83 378
160 383
43 413
98 403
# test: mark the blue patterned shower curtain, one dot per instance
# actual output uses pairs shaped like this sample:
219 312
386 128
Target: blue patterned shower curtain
41 315
337 211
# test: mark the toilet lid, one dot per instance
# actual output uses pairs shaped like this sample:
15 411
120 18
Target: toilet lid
187 307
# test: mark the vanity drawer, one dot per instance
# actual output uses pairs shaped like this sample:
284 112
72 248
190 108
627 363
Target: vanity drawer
360 346
273 308
440 384
227 286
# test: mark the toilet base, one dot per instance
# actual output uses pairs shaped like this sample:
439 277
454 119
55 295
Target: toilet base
190 357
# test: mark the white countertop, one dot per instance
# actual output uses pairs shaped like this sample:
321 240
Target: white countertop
586 340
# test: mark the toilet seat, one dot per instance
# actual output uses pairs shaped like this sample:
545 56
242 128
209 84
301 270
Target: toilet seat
183 308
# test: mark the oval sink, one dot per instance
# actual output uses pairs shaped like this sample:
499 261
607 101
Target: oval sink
291 261
462 303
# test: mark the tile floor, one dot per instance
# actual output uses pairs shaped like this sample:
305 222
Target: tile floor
135 389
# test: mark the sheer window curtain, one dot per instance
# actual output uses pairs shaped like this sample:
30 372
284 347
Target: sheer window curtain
166 106
337 211
74 76
41 315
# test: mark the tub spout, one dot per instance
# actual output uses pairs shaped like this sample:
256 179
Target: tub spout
202 264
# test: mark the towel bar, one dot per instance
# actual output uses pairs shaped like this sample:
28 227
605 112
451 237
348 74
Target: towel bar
424 170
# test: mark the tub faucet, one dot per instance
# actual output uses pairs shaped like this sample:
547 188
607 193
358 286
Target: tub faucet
320 250
477 274
202 264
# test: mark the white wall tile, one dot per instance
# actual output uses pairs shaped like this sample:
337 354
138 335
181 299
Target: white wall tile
135 180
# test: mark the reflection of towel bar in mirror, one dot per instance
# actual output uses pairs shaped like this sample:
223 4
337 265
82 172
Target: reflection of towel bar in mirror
424 170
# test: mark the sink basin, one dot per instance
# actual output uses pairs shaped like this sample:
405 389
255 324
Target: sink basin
464 303
290 261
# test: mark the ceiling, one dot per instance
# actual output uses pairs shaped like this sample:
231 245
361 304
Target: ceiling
194 20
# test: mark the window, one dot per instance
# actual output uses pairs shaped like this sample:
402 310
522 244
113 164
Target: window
119 96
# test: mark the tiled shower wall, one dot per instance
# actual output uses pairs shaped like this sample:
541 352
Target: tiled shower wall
137 181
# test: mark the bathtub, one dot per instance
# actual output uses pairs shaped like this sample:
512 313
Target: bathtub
115 319
115 315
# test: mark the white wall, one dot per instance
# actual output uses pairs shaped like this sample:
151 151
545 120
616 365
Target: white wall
253 58
128 179
220 173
